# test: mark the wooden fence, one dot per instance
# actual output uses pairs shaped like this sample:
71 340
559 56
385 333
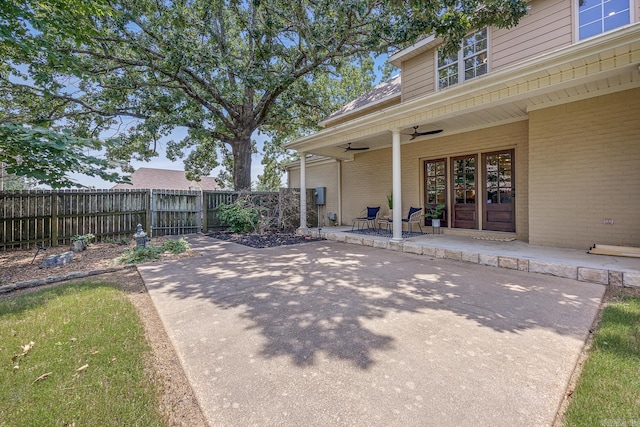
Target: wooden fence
51 218
175 212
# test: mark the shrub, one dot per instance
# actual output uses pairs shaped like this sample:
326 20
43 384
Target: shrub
140 255
241 216
153 252
175 246
88 238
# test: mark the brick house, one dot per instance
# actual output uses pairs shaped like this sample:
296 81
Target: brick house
166 179
540 131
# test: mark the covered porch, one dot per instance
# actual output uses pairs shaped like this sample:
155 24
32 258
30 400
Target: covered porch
496 115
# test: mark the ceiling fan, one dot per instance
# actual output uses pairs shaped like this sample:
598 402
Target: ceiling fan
350 148
416 134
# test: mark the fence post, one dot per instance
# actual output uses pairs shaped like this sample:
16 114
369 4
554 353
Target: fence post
54 218
204 211
148 225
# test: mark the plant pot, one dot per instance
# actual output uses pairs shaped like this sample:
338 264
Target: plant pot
435 223
390 213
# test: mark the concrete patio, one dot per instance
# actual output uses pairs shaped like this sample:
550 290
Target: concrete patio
328 333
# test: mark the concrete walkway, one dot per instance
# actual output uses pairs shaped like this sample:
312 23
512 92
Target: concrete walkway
327 333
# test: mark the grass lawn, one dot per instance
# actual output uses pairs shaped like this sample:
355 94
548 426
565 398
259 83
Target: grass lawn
74 355
608 390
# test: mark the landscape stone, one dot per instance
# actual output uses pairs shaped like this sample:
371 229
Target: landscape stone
491 260
508 262
78 246
395 246
472 257
429 251
593 275
383 244
559 270
523 264
615 278
354 240
412 248
453 255
631 280
58 259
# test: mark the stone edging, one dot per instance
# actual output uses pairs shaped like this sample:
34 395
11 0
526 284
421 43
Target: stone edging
583 274
55 279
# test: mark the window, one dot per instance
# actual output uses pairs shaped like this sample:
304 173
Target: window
467 63
599 16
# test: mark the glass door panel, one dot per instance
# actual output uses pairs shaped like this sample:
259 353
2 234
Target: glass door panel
499 206
464 214
435 185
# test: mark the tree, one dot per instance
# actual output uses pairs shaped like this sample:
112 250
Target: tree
32 148
48 156
329 93
222 69
13 182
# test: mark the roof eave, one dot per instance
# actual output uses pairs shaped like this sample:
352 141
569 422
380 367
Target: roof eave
415 49
517 71
341 117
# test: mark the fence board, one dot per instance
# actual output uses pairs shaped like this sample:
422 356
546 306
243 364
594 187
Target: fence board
175 212
50 218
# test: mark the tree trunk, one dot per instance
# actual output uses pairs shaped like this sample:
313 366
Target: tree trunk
241 149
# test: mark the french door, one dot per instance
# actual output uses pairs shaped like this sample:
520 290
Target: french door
464 212
497 186
498 204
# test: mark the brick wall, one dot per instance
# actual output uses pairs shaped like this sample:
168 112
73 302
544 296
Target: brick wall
584 168
324 174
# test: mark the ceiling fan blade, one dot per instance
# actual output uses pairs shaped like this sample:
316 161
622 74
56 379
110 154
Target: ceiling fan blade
416 134
431 132
350 148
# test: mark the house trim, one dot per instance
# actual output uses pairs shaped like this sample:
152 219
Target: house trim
415 49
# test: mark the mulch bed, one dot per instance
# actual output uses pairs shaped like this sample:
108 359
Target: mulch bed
267 240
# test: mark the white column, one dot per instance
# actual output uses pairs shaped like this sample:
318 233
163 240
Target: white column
397 186
303 191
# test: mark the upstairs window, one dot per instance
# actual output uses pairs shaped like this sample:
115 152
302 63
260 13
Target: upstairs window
599 16
467 63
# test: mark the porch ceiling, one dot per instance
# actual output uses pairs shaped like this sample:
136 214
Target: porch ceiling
604 65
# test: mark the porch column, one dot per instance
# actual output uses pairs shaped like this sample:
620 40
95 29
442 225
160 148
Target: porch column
303 191
397 186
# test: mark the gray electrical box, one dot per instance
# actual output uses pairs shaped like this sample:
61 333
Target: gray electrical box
321 196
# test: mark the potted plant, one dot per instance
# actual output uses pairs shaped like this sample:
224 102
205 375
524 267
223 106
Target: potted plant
434 213
390 203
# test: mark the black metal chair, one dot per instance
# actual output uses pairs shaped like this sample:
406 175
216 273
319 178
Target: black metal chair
368 216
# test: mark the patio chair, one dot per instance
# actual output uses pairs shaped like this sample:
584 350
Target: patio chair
368 216
413 217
